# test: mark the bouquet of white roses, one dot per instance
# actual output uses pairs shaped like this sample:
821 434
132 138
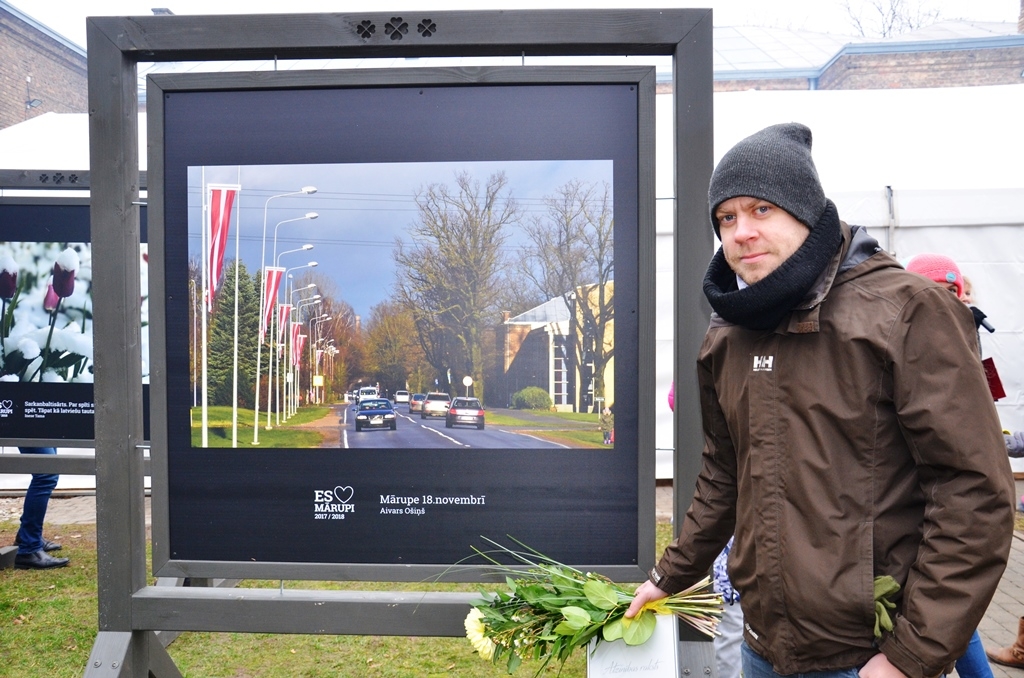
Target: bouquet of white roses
551 609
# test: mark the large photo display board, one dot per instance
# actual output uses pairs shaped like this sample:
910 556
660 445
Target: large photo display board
46 320
400 319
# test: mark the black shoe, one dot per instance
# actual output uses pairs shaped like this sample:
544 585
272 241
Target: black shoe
37 560
47 544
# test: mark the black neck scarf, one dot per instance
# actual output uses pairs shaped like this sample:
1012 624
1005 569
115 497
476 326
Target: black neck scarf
764 304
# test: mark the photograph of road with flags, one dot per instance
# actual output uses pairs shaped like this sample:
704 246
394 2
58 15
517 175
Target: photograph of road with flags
484 279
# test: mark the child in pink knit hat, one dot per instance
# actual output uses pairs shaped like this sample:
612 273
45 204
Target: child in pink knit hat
940 269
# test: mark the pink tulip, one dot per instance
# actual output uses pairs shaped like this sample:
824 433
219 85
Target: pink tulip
51 300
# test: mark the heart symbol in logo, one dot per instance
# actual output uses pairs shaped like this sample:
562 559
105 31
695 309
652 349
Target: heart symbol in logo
346 491
6 404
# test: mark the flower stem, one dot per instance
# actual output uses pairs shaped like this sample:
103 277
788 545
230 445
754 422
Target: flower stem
49 336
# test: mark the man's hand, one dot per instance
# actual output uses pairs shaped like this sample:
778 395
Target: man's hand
879 667
644 594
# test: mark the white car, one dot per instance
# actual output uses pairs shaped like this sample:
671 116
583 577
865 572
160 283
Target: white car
401 397
367 392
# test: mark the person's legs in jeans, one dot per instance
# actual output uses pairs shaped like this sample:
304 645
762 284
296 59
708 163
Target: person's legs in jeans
974 663
755 666
30 535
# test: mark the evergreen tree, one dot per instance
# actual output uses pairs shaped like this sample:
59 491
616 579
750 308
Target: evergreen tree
221 350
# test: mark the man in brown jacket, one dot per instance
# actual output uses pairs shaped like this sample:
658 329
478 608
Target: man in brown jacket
849 436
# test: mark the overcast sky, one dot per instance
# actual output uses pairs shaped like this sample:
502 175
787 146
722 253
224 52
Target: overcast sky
67 17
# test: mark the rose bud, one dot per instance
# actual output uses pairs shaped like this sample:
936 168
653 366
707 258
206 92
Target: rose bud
8 277
64 273
51 300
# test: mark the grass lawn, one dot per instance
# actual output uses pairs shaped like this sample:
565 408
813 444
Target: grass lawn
286 435
48 625
553 426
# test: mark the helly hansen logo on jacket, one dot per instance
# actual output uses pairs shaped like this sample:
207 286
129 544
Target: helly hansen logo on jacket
763 363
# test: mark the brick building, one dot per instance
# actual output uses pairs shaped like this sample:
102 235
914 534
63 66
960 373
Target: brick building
40 70
946 54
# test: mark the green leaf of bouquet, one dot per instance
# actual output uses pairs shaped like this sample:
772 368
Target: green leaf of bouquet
511 583
491 613
612 630
638 630
533 593
513 663
575 616
601 595
584 636
566 629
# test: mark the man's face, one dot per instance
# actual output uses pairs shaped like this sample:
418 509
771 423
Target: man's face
757 236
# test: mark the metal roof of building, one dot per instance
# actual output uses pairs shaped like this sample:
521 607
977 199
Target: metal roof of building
553 310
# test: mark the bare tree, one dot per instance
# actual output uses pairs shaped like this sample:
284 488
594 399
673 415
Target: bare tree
393 353
572 257
450 276
887 18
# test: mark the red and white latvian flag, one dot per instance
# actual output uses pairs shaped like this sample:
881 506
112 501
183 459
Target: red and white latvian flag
301 346
221 200
283 311
296 351
272 276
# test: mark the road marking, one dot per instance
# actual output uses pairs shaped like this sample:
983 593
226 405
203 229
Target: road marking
527 435
444 435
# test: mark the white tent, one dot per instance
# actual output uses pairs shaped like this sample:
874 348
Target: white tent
954 160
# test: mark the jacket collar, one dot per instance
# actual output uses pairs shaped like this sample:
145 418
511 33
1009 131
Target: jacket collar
857 248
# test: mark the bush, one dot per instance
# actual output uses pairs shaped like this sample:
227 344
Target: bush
531 398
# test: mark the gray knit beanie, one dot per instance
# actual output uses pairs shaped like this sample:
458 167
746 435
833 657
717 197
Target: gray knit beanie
775 165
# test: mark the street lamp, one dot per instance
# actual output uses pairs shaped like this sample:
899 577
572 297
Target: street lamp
304 248
305 190
284 339
317 338
307 215
297 362
273 336
289 295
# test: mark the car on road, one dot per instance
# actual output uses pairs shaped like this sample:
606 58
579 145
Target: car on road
367 392
416 402
376 413
465 412
401 397
435 405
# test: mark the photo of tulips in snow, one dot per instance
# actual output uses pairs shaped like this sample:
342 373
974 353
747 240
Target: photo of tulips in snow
46 338
46 295
46 291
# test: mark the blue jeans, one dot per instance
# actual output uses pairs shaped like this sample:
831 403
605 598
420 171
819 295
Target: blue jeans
30 535
974 663
755 666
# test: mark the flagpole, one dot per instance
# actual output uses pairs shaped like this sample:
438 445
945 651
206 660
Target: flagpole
205 301
307 190
234 384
